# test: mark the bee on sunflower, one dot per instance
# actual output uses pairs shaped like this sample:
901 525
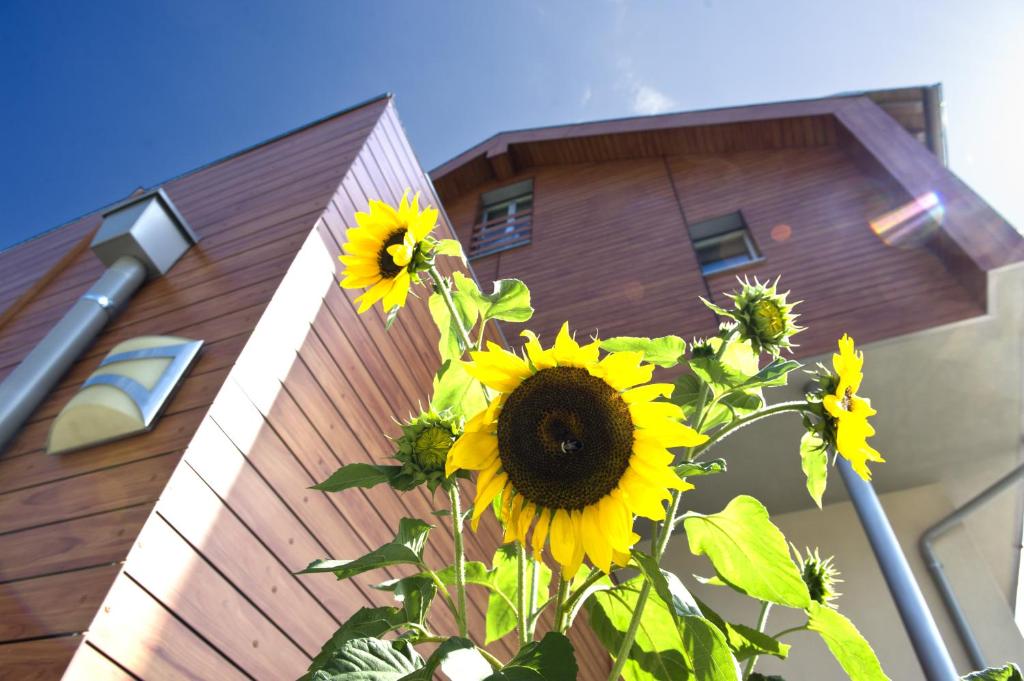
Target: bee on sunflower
845 417
387 249
577 443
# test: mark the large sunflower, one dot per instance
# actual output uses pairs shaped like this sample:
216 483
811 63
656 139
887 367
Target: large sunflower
576 443
850 411
381 251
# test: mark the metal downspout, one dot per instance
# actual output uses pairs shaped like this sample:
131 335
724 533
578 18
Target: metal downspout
30 382
931 535
917 619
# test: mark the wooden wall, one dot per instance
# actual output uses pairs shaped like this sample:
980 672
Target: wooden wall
207 589
611 251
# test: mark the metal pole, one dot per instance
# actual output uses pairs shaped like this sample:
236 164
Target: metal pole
917 619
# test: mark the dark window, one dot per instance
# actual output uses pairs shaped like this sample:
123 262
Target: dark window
722 243
506 220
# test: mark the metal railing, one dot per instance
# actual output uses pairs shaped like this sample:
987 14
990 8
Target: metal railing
501 234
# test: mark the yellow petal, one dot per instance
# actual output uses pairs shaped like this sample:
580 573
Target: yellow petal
566 347
617 522
358 282
485 495
595 541
641 498
540 532
373 294
399 291
401 254
472 451
654 413
659 476
512 518
526 517
652 451
424 224
541 358
646 393
563 539
622 370
673 434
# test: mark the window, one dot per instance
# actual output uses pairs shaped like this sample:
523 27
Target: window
722 243
506 220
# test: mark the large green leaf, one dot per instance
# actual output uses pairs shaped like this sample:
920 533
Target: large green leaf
552 659
657 651
665 351
743 640
362 475
503 581
509 301
814 462
458 658
364 623
1008 672
450 247
689 469
706 648
851 651
748 552
405 549
369 659
773 374
456 390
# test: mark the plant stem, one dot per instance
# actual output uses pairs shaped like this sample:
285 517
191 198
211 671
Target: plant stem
460 558
762 619
524 637
442 286
570 603
531 622
480 338
560 599
495 663
782 633
718 436
664 534
441 588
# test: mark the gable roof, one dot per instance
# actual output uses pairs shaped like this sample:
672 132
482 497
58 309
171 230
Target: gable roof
883 129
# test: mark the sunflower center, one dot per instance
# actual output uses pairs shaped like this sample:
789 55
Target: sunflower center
564 438
386 263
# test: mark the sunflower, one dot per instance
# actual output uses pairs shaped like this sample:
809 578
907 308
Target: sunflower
850 411
380 252
574 442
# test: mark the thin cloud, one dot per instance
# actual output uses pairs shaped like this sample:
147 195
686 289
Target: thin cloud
587 94
648 100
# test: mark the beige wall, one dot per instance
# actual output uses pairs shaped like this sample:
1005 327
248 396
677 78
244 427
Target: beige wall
981 560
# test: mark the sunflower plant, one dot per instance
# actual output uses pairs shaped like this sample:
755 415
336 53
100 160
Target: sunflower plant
567 444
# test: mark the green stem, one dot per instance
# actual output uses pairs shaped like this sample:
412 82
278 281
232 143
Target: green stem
480 338
762 619
495 663
664 534
521 594
782 633
441 588
531 622
460 559
560 612
442 286
570 603
721 434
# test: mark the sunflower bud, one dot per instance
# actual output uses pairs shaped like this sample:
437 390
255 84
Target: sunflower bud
820 576
424 444
762 316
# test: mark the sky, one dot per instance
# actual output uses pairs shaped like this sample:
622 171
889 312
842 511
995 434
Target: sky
100 98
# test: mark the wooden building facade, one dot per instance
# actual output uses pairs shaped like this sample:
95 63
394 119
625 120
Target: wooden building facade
840 196
171 554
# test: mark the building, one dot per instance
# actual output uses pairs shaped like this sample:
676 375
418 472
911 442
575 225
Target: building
619 225
169 554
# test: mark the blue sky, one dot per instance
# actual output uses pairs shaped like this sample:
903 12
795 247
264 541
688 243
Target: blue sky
102 97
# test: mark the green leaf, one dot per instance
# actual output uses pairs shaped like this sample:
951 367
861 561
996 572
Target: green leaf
706 649
690 469
664 352
456 390
814 462
415 593
657 651
405 549
851 651
552 658
459 660
359 475
748 552
773 374
502 615
515 674
364 623
369 659
509 301
450 247
1008 672
743 640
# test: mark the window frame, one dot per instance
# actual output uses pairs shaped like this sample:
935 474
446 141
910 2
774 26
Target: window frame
515 233
741 229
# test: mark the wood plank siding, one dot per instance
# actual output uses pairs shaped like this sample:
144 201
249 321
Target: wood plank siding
172 554
612 202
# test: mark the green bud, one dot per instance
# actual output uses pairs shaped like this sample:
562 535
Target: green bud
762 316
820 576
424 445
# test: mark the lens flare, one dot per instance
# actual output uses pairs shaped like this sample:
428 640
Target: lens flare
910 223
